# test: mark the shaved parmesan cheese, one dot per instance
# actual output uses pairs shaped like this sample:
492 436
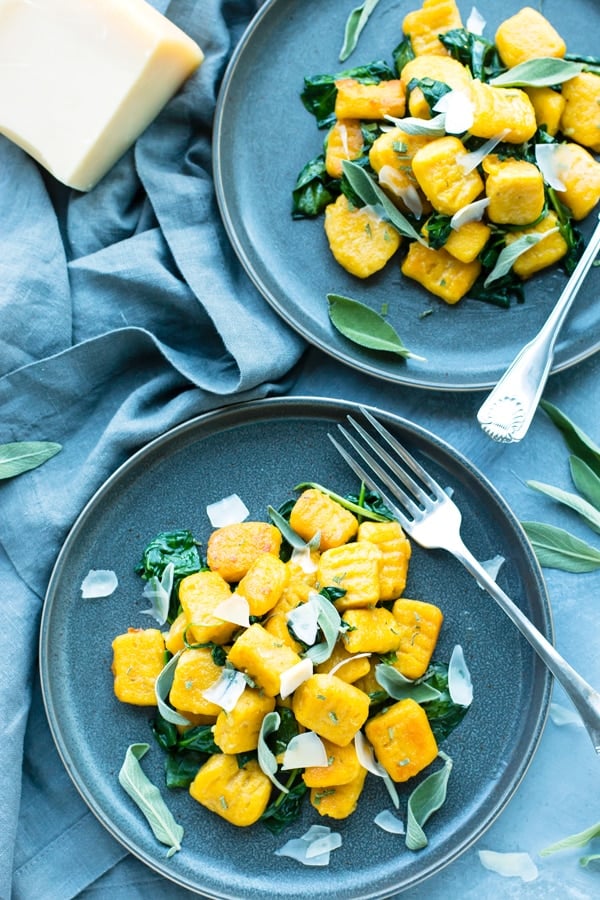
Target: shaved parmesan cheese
304 621
547 158
475 22
229 511
471 160
387 821
561 715
344 662
492 567
510 865
314 847
294 677
234 609
458 111
227 690
390 178
306 749
158 592
99 583
460 686
366 758
302 557
472 212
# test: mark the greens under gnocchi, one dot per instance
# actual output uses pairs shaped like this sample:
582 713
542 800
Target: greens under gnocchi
288 665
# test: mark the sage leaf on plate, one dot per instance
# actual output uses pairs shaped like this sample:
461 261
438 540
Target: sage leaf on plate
355 23
21 456
576 439
509 255
543 72
149 800
364 326
399 687
162 686
555 548
426 799
580 839
573 501
372 195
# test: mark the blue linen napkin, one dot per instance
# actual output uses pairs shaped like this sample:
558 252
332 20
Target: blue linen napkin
122 313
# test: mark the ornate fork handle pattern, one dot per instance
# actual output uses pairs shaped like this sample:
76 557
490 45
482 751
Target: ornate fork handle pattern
506 414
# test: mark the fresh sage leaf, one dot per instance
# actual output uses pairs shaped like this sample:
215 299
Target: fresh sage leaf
573 501
372 506
574 840
543 72
162 686
355 23
556 548
426 799
512 252
291 536
21 456
149 800
330 623
576 439
585 480
362 325
266 758
372 195
399 687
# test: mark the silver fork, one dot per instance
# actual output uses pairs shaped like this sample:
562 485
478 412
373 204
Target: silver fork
433 520
507 412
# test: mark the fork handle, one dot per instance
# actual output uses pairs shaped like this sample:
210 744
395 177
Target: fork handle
584 698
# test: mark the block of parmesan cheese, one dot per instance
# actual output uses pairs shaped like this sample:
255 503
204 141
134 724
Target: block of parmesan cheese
81 79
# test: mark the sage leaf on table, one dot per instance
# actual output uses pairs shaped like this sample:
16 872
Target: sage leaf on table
543 72
585 480
149 800
576 440
355 23
556 548
574 840
372 195
573 501
426 799
364 326
21 456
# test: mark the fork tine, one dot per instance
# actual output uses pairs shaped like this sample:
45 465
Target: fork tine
416 490
369 481
395 489
410 461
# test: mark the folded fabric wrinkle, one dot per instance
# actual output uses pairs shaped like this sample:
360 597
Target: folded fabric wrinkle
123 312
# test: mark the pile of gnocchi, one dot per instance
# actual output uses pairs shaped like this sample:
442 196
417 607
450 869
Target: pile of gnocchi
268 630
476 160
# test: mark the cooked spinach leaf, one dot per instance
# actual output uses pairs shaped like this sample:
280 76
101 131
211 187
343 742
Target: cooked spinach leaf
314 189
367 504
431 89
571 235
177 547
473 51
403 54
444 715
286 807
438 230
319 91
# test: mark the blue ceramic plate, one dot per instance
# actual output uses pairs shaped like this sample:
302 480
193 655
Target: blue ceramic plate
260 451
263 137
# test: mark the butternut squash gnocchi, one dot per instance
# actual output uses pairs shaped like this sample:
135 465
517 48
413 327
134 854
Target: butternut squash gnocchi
289 651
484 146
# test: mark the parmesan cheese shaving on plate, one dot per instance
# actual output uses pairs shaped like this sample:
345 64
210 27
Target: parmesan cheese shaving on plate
229 510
